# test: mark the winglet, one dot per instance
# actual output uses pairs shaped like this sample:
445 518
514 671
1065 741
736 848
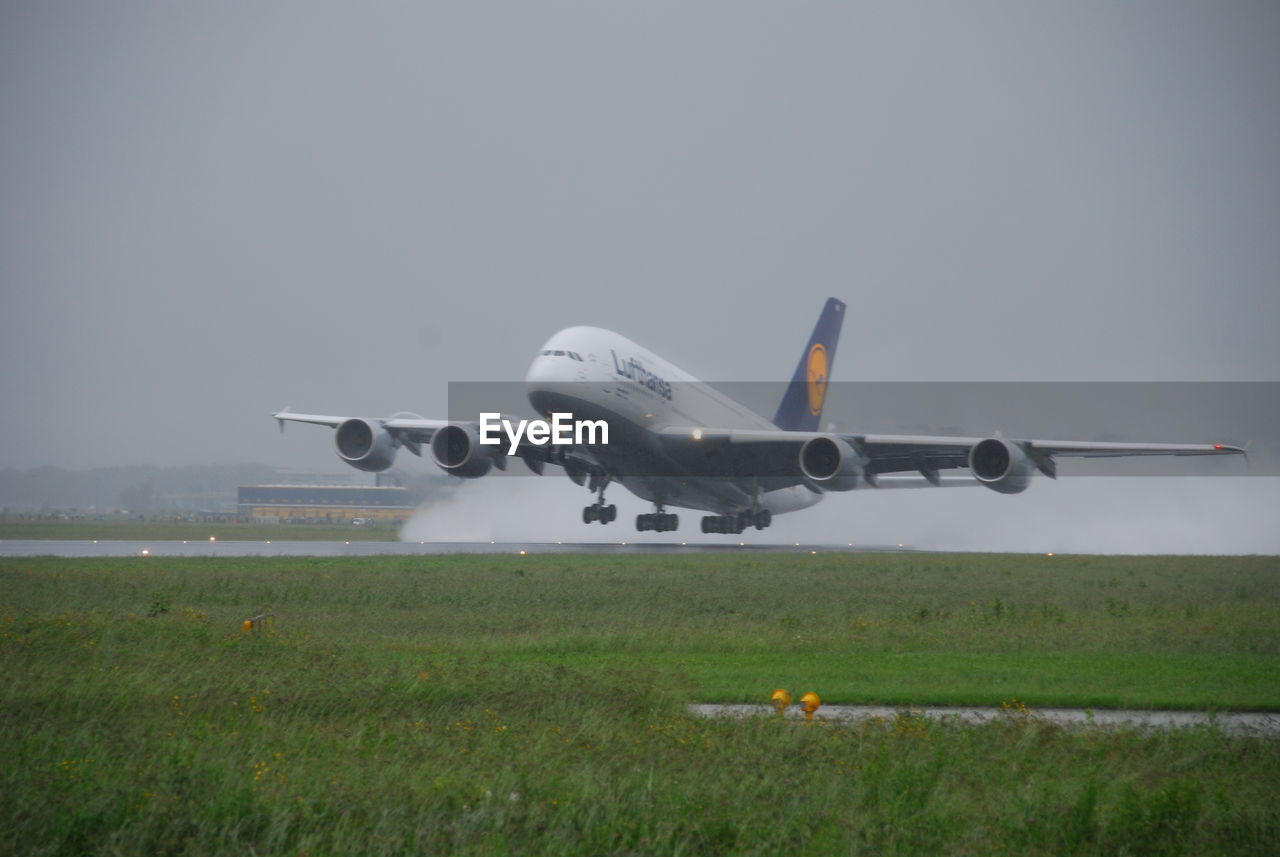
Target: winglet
1231 448
280 417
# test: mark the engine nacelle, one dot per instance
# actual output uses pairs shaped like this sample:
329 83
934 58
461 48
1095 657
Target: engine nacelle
365 445
1001 466
457 451
831 463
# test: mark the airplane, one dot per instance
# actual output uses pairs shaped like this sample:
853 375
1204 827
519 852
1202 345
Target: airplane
677 442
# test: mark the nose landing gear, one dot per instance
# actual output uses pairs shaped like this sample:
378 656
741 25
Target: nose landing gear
598 511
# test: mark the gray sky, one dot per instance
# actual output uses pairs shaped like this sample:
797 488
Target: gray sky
215 210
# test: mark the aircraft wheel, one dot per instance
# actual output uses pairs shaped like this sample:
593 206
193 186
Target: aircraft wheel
588 514
611 513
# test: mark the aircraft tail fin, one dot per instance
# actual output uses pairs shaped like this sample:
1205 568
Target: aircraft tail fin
801 408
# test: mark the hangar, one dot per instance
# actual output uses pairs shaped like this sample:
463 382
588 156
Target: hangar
338 504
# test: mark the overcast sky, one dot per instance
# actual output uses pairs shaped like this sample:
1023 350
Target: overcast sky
213 210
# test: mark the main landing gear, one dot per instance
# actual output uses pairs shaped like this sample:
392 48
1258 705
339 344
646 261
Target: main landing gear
659 522
726 524
598 511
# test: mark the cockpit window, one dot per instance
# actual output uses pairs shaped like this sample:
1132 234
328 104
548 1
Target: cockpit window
572 355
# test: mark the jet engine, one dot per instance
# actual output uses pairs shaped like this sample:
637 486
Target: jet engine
1001 466
831 463
365 445
457 451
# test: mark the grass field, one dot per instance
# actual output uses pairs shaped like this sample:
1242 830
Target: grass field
131 530
536 705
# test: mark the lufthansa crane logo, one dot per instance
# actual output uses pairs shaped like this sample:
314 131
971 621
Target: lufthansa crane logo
817 378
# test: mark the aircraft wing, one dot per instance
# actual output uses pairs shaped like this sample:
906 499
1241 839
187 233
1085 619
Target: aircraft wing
889 482
413 428
775 453
286 415
413 432
900 453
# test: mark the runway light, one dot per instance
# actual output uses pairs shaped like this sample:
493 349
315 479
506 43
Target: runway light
899 544
781 699
813 553
253 623
697 434
146 552
1050 553
213 538
811 703
522 552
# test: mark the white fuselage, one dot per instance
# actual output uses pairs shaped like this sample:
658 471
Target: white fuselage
598 374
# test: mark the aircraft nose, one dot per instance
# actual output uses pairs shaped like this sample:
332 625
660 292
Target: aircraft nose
541 370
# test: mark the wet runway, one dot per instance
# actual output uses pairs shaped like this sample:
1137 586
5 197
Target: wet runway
126 548
1262 724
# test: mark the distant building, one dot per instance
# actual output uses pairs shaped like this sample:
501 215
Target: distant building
337 504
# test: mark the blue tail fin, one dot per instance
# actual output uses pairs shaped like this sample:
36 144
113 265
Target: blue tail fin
801 408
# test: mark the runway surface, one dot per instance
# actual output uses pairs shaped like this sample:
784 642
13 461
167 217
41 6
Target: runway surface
127 548
1262 724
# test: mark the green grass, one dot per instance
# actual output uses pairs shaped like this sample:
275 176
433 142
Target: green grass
132 530
536 705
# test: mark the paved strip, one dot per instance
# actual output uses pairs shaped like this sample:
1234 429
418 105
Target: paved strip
1262 724
204 547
